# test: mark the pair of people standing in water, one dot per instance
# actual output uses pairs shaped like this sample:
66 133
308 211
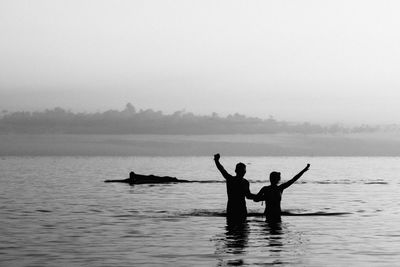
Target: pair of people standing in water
238 189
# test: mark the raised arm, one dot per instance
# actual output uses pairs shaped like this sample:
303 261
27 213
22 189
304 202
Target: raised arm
248 194
224 173
295 178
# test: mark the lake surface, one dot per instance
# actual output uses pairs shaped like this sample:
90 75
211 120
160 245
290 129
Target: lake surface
56 211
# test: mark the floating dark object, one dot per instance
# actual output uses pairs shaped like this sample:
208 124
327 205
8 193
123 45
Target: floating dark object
147 179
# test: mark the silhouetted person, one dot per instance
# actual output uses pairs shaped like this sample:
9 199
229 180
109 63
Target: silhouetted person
272 195
132 177
237 189
146 179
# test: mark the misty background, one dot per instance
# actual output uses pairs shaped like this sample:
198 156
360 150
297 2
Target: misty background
132 132
132 121
314 61
311 77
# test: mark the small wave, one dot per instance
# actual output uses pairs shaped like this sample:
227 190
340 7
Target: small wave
327 182
205 213
43 210
208 181
124 216
208 213
318 213
344 181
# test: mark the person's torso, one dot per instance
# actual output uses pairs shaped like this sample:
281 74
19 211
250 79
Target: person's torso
236 189
272 197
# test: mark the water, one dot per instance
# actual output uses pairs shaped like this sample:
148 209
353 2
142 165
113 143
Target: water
56 211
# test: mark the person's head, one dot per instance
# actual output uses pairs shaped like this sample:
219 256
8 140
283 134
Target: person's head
275 177
240 169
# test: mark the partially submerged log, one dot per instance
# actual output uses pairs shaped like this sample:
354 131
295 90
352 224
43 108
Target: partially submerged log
147 179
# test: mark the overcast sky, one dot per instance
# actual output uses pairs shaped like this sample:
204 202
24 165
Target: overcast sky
319 61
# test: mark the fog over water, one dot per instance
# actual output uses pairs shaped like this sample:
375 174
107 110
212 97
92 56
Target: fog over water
299 61
94 90
132 132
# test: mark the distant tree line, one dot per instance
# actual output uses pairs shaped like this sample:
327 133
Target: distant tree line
131 121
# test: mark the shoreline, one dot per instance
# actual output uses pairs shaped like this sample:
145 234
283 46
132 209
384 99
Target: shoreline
289 145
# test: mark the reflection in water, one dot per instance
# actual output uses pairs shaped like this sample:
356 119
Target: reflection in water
279 244
273 233
231 246
237 235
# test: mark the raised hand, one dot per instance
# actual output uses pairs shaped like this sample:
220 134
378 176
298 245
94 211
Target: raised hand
307 167
217 157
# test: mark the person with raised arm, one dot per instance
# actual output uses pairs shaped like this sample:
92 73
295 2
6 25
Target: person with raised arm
272 194
238 189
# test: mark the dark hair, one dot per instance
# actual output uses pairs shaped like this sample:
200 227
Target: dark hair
240 167
274 177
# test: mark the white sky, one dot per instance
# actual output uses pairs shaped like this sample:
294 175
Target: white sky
319 61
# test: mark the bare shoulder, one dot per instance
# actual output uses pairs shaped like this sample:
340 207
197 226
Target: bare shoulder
245 181
266 188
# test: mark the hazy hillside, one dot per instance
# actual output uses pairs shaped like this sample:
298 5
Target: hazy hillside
129 132
131 121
